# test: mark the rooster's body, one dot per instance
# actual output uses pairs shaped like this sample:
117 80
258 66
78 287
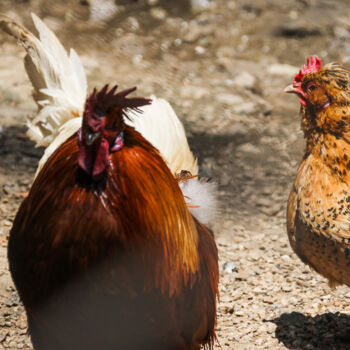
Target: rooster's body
122 266
318 218
104 251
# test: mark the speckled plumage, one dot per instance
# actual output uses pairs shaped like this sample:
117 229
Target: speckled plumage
318 215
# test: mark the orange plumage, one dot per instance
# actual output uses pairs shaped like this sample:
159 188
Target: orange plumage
113 261
318 217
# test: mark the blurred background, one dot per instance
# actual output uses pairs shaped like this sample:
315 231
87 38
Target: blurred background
223 65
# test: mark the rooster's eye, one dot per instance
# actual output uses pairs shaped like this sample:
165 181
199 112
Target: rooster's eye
99 113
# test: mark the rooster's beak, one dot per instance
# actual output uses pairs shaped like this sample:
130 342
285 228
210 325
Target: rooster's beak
291 89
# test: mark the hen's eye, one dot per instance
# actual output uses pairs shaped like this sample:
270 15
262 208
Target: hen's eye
312 87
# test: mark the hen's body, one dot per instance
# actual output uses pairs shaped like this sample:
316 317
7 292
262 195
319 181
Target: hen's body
318 217
114 264
319 212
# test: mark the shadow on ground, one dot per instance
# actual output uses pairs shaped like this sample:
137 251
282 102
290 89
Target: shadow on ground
329 331
17 152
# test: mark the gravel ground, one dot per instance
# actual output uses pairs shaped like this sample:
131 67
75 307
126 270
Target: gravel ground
223 68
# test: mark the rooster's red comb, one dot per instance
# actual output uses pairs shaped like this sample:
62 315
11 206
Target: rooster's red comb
101 102
105 99
313 65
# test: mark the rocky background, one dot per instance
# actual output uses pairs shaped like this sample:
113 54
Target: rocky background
223 65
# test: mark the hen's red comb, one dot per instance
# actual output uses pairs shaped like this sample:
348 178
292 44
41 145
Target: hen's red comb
313 65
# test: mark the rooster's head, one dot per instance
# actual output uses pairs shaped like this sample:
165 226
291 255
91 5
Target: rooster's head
324 94
103 125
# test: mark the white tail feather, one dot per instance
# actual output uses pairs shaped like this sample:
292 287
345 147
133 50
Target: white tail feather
160 125
59 81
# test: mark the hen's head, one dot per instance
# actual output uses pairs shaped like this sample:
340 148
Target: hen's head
324 94
103 125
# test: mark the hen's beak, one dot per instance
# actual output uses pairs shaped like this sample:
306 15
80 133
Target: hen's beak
291 89
296 90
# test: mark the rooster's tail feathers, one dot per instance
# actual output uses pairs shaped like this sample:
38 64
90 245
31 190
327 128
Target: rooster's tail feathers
59 80
160 125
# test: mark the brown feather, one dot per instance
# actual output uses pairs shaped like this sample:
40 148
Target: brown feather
120 263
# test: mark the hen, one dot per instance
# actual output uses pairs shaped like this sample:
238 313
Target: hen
318 216
104 251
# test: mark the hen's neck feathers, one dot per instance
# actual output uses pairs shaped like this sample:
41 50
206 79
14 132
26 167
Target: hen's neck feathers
328 127
328 138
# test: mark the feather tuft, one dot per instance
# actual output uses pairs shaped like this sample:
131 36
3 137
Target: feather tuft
59 80
160 125
201 199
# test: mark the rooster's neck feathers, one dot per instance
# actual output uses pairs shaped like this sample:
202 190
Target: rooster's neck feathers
129 188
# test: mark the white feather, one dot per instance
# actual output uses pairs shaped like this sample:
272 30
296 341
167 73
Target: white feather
65 131
59 81
201 197
160 125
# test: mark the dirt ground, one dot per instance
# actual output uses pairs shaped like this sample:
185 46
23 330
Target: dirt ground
223 68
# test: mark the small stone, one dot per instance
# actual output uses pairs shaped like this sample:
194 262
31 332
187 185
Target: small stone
230 267
12 344
158 13
132 23
102 10
282 69
286 288
193 32
225 179
13 300
230 99
200 50
137 59
152 2
3 334
245 108
245 80
199 5
241 276
193 92
237 129
248 148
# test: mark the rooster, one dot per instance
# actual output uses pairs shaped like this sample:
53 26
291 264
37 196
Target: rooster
104 251
318 216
